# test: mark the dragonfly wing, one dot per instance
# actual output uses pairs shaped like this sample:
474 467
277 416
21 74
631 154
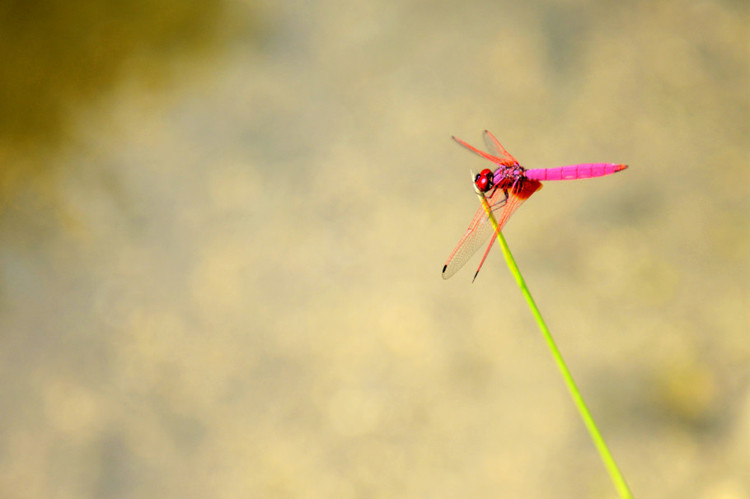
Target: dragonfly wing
477 235
496 148
480 229
497 160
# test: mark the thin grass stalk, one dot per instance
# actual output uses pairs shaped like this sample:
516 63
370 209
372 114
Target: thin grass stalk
614 472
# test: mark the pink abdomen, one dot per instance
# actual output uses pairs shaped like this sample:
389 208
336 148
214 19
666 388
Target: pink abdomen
586 170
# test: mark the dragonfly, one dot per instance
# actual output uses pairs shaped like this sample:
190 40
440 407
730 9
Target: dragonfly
506 188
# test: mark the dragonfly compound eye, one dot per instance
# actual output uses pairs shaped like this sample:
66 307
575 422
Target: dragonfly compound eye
485 180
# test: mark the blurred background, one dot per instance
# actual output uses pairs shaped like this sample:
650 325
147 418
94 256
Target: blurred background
222 226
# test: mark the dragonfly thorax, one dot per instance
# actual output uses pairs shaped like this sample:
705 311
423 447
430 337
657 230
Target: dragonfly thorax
503 178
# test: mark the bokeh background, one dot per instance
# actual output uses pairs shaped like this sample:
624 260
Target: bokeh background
222 226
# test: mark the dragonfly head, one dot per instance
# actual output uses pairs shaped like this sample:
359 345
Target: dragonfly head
485 180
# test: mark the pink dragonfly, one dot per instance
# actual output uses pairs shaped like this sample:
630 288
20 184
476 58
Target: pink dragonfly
506 188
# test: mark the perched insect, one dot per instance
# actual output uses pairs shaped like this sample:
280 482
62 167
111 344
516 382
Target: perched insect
506 188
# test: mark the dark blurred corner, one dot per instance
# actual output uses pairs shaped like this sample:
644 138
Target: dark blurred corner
58 56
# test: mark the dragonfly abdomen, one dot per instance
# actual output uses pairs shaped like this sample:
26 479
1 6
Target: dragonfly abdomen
586 170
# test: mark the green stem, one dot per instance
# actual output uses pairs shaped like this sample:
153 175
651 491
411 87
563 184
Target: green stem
596 436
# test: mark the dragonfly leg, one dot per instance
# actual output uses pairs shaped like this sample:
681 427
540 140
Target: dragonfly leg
501 202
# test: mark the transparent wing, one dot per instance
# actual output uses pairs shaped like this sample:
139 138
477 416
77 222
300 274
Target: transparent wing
480 229
477 235
502 158
496 148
